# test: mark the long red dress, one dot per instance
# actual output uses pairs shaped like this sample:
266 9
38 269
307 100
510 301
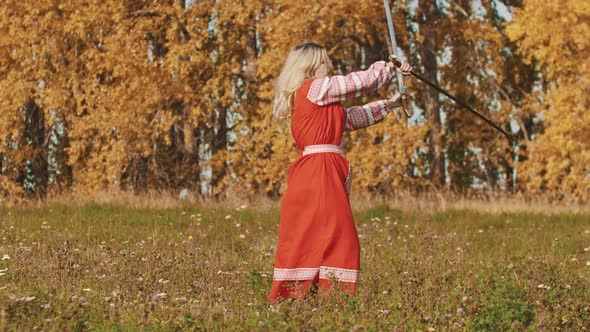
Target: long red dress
318 242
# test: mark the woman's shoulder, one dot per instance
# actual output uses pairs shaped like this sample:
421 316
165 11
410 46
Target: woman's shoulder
303 89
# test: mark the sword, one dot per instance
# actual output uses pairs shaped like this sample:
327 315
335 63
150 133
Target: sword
400 80
402 88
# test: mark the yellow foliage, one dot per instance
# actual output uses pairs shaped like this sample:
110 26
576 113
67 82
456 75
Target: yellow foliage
555 34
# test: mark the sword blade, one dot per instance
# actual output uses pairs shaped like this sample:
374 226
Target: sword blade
400 81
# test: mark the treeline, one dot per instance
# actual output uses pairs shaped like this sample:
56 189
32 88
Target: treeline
171 95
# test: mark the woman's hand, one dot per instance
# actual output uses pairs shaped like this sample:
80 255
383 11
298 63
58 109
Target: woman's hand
403 66
399 99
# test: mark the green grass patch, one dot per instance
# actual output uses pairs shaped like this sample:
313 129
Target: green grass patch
101 267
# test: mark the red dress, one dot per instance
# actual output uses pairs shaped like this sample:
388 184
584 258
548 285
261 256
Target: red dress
318 242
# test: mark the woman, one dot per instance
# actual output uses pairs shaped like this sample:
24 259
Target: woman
318 243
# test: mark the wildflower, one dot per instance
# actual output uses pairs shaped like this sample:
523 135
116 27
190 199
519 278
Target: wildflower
543 286
228 216
385 292
5 257
193 216
384 312
587 263
243 206
25 299
45 306
83 301
238 225
242 236
190 237
568 287
480 230
157 297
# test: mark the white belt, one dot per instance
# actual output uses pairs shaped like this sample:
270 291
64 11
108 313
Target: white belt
322 148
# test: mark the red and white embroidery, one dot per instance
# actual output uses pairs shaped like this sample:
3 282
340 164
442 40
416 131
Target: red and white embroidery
322 148
325 272
332 89
344 275
348 183
358 117
295 274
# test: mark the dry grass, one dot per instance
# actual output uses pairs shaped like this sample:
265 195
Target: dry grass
410 202
108 267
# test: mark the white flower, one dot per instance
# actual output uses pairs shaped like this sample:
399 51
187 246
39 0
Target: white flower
543 286
238 225
242 236
228 216
5 257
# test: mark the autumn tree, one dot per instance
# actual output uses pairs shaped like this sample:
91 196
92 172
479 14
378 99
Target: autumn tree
554 36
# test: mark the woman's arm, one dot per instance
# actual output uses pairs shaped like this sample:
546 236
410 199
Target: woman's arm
358 117
332 89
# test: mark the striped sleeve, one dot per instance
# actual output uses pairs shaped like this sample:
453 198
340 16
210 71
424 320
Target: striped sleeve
358 117
337 88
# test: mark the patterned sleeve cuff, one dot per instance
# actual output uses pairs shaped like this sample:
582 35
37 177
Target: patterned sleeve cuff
358 117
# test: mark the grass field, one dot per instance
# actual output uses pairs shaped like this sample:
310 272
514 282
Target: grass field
101 267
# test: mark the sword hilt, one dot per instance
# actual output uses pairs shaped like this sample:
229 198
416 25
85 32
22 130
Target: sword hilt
398 64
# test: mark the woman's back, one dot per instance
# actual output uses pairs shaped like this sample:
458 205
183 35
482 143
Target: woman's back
312 124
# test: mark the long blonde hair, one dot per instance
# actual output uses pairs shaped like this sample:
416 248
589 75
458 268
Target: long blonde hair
302 64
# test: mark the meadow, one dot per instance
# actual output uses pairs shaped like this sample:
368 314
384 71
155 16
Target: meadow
114 268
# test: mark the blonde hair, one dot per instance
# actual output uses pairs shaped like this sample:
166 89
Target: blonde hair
302 64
